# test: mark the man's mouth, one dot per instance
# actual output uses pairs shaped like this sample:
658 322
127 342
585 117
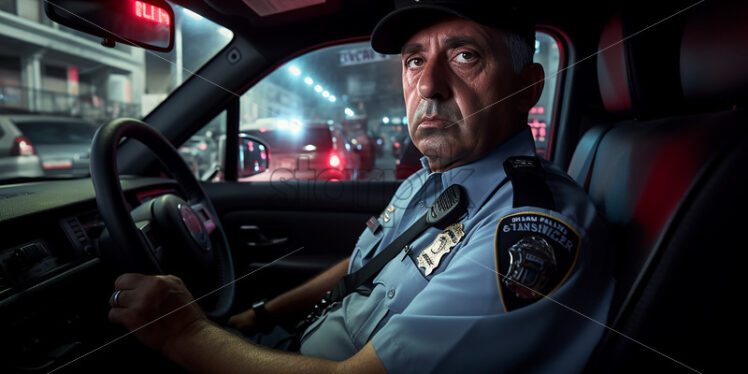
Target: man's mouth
434 122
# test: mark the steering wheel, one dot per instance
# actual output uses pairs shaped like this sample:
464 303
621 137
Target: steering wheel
167 234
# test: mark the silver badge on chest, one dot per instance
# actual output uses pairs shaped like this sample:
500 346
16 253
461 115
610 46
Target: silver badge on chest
430 258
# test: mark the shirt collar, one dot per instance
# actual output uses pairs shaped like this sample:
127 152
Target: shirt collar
481 177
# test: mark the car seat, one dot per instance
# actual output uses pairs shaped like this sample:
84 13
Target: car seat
670 180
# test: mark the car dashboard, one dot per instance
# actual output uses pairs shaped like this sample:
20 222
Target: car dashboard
53 287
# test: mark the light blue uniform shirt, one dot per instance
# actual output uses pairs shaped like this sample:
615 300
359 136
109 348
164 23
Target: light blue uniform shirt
453 320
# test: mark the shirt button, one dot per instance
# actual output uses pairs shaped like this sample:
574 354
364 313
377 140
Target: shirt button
391 293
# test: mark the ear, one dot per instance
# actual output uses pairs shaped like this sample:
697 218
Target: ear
532 79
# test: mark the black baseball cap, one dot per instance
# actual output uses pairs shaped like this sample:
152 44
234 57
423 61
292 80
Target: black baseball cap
410 16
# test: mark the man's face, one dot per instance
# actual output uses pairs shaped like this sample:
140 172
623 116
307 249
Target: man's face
457 75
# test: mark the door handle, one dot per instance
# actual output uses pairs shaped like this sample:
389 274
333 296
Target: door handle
259 240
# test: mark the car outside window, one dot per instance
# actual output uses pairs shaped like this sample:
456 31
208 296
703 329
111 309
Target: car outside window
338 114
46 133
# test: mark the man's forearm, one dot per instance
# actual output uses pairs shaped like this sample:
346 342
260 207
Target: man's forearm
206 348
293 304
160 311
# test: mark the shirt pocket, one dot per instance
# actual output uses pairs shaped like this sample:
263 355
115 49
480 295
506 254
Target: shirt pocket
364 249
366 316
395 287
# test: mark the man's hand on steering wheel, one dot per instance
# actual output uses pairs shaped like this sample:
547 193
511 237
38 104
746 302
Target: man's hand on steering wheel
158 309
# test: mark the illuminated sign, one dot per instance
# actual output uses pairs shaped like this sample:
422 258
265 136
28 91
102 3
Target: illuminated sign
538 130
537 110
360 56
151 13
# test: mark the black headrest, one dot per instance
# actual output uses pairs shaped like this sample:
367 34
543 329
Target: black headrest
637 66
714 54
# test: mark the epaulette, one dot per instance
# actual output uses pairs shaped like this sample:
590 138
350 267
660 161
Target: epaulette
528 179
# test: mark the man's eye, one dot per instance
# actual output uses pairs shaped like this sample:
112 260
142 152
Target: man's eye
465 57
413 62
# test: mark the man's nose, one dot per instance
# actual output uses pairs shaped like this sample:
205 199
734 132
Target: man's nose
433 84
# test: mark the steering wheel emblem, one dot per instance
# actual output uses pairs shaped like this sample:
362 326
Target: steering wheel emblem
194 226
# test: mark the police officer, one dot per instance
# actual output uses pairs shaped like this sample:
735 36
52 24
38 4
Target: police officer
518 282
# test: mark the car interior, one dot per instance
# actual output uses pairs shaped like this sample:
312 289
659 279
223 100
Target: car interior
647 118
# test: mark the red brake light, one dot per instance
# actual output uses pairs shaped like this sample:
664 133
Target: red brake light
22 147
334 160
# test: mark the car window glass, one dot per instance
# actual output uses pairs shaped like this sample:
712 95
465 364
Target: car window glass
64 71
547 53
338 114
50 71
196 41
203 150
313 139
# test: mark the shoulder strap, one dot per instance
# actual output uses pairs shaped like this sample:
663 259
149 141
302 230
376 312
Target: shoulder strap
448 207
528 179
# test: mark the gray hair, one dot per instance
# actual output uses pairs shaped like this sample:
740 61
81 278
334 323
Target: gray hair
521 51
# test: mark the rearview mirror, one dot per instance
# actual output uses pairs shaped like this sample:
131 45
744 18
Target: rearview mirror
147 24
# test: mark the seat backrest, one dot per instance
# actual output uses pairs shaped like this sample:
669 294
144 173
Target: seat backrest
665 180
632 84
619 153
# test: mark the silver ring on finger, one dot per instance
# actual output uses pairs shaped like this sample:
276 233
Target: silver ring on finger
115 298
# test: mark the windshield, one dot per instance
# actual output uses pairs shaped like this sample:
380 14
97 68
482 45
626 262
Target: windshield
57 74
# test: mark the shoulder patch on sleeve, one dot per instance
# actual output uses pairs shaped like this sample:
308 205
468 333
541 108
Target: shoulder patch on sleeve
535 253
